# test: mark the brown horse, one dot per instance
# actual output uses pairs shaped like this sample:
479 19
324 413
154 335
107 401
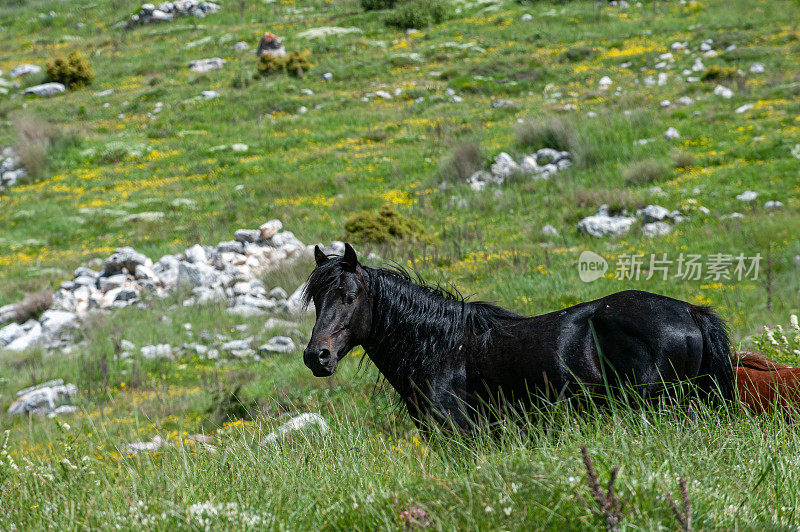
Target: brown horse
764 385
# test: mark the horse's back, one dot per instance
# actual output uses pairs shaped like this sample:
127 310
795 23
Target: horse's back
765 386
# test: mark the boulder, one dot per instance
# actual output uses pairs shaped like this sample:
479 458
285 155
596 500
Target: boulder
123 258
10 332
270 45
42 398
301 423
654 213
602 225
24 70
278 344
46 89
31 338
206 65
54 322
656 229
270 228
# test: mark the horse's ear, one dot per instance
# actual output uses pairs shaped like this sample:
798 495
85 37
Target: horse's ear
349 260
320 256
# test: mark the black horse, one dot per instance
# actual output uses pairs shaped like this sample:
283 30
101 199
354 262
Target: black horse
448 358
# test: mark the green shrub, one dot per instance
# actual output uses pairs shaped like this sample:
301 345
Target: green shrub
269 65
683 159
417 14
383 226
297 64
73 72
721 73
373 5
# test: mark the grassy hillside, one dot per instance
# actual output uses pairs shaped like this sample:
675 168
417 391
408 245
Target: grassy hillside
400 119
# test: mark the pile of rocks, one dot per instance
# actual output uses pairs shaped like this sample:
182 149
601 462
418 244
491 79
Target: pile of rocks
11 170
655 222
227 273
48 398
540 165
167 11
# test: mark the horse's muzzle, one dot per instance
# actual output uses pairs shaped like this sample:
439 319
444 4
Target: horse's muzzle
320 361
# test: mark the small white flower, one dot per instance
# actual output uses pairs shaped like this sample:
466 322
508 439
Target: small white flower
488 509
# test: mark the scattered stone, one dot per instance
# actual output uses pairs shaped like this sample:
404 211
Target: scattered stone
327 31
167 11
656 229
605 82
46 90
744 108
301 423
10 332
241 46
146 446
153 352
654 213
603 225
725 92
756 68
549 230
747 195
773 204
672 134
43 398
278 344
24 70
209 95
202 66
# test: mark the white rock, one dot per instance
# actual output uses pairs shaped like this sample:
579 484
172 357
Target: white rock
602 225
504 166
24 70
672 134
656 229
46 89
205 65
239 147
773 204
654 213
27 341
10 332
302 423
241 46
756 68
144 447
152 352
209 95
747 195
725 92
326 31
295 302
744 108
196 254
42 398
549 230
54 322
605 82
278 344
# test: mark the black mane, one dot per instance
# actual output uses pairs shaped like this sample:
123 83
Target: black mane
407 311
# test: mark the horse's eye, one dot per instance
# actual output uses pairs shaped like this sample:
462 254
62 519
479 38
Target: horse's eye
351 298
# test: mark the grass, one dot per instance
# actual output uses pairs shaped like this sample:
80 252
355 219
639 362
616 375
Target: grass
352 152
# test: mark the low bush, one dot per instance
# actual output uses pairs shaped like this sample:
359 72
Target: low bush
721 73
383 226
466 159
645 172
559 135
295 64
33 305
73 72
36 139
373 5
417 14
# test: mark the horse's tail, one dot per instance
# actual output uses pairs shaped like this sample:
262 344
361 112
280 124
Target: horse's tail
716 370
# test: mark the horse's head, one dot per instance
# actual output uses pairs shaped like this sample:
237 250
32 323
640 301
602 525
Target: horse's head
338 288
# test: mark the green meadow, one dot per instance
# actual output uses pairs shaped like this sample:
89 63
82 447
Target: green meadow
404 118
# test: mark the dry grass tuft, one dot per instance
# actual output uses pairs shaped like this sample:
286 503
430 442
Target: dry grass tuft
645 172
33 305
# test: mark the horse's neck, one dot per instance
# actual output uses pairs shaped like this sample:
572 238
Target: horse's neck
400 349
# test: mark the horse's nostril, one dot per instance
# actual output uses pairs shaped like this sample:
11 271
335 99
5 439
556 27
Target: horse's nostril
324 355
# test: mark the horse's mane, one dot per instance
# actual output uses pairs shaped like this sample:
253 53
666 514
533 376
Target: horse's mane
416 325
